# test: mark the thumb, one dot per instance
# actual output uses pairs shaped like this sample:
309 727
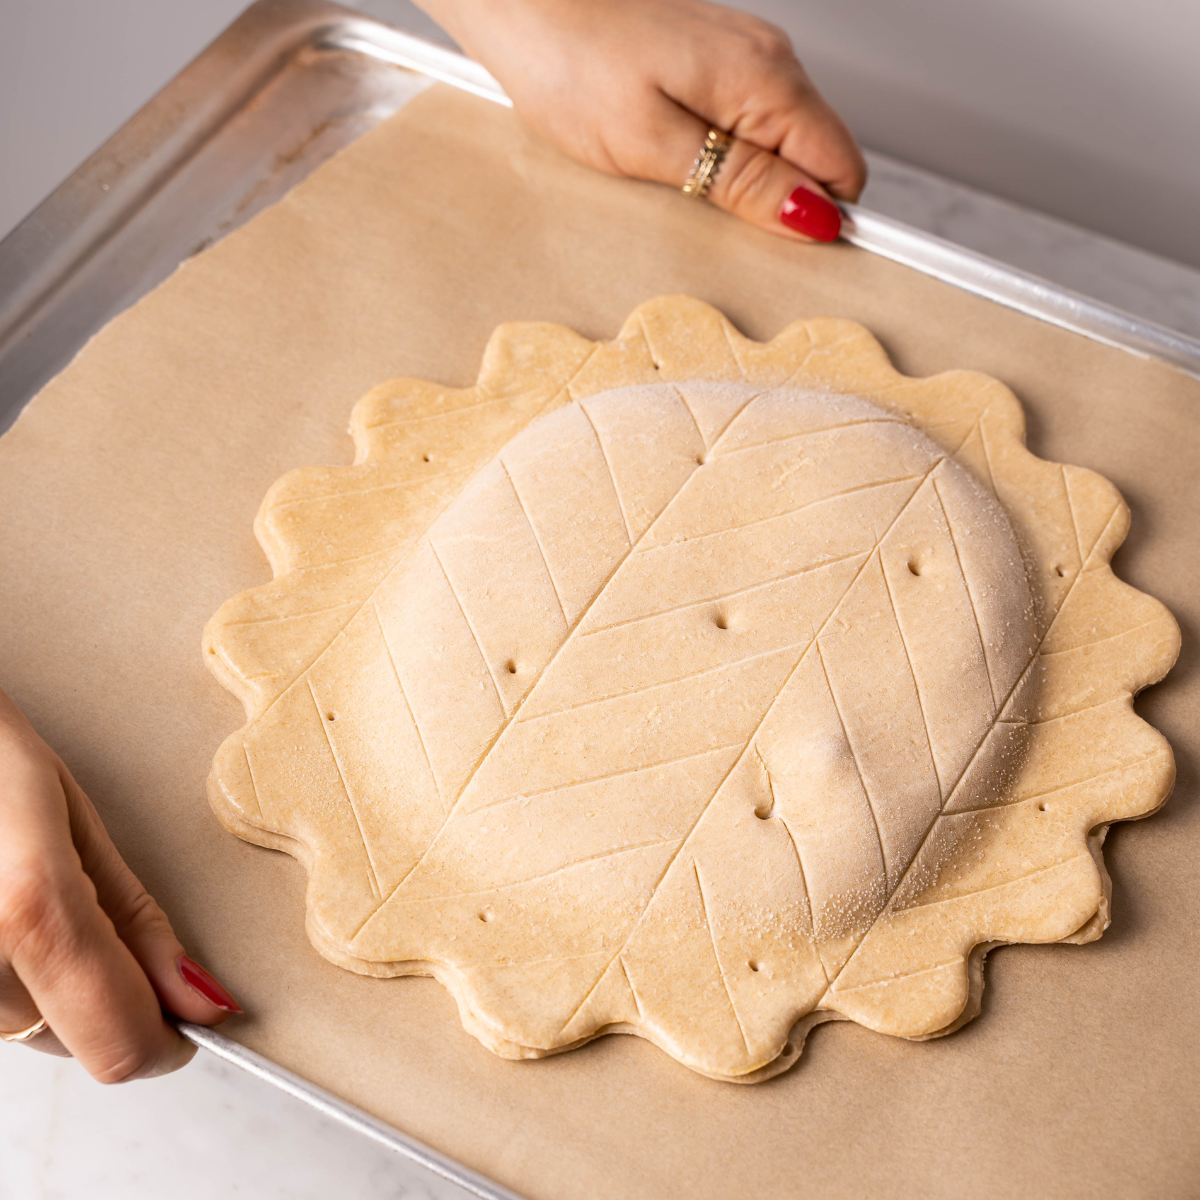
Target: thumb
182 985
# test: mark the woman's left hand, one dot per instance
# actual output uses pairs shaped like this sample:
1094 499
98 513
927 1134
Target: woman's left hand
88 961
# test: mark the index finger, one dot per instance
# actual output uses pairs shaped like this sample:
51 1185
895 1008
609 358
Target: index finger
88 986
767 99
66 952
792 119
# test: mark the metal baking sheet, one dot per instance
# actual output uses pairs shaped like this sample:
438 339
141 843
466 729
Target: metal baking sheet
285 87
262 1068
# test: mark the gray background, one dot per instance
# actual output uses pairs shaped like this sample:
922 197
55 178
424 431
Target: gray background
1085 109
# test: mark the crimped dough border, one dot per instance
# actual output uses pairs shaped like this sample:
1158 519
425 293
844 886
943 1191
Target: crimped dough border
1100 641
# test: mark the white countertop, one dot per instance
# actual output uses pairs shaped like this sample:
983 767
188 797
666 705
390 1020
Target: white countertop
210 1131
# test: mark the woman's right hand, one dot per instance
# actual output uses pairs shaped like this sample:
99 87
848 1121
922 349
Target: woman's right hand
81 942
631 87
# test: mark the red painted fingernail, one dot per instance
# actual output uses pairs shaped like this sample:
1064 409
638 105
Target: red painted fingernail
811 215
195 976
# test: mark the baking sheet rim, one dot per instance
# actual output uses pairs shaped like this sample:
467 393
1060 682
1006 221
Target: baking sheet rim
240 1056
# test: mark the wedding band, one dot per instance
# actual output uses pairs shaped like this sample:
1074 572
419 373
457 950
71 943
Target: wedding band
37 1027
705 168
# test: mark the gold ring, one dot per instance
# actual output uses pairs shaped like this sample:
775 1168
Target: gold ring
705 168
25 1034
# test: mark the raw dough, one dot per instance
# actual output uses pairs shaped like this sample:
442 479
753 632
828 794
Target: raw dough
692 687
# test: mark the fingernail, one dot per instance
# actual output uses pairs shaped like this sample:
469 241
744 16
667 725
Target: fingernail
196 977
811 215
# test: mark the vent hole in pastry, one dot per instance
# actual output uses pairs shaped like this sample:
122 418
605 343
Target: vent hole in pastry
330 716
753 965
699 460
720 622
914 566
424 457
763 811
1041 808
511 666
1059 571
657 367
486 914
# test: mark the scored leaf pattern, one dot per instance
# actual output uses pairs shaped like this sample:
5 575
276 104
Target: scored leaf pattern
701 706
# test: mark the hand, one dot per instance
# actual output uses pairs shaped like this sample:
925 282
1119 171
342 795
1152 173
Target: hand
631 87
81 943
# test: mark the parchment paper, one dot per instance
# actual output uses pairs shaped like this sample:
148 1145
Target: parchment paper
128 490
